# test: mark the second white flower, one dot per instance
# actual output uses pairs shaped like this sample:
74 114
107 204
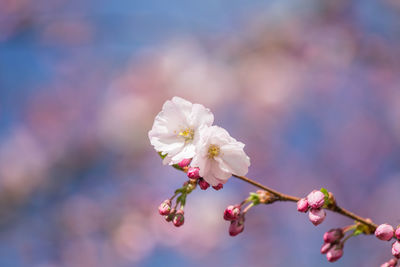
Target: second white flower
219 156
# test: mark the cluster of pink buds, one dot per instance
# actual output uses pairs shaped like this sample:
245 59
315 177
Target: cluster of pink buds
313 203
333 247
234 214
194 174
176 214
386 232
170 214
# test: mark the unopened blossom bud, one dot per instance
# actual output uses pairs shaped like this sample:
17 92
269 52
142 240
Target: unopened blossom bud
317 216
265 197
237 226
396 249
232 212
333 235
184 163
316 199
203 184
397 233
179 219
384 232
218 187
335 253
165 207
325 248
392 262
170 216
302 205
193 173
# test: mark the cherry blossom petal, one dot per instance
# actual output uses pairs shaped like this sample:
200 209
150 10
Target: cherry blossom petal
176 129
201 116
234 159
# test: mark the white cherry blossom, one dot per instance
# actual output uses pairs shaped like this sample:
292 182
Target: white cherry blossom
176 129
219 155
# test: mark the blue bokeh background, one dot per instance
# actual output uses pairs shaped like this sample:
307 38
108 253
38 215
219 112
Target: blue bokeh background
311 87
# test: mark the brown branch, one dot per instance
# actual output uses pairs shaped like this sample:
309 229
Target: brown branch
335 208
281 196
354 216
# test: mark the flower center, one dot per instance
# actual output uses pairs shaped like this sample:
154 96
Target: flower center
213 151
187 133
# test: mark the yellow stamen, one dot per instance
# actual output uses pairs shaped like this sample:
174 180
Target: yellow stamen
188 134
213 151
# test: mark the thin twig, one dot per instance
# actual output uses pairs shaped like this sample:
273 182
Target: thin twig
335 208
281 196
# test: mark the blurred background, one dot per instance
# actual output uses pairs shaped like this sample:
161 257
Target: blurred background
311 87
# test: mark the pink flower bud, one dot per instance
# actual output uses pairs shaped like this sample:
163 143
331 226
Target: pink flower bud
325 248
203 184
302 205
165 207
193 173
232 212
333 235
316 199
335 253
392 262
384 232
317 216
170 216
397 233
184 163
237 226
179 219
396 249
218 187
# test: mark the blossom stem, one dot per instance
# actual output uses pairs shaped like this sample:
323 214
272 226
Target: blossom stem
245 210
247 200
334 208
349 228
172 198
347 238
176 205
353 216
